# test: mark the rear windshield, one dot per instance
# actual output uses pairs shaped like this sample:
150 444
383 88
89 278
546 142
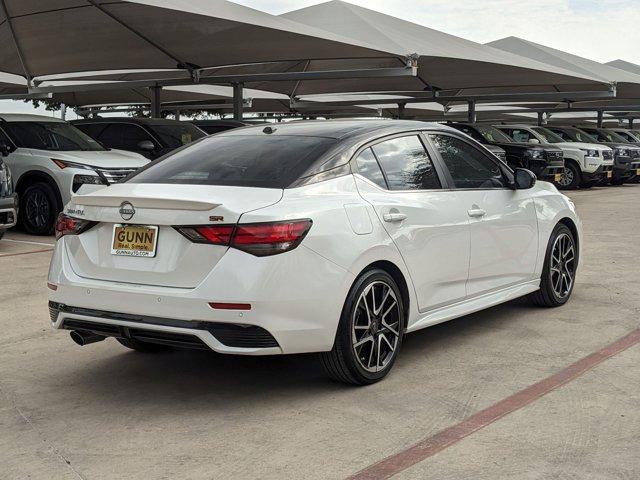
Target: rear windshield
175 135
266 161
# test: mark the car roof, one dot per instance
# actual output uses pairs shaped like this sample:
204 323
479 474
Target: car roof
24 117
516 125
138 120
337 129
224 123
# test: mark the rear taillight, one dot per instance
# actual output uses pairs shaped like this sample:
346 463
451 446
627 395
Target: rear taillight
259 239
66 225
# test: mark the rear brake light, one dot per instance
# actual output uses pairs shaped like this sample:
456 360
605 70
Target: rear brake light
259 239
66 225
212 234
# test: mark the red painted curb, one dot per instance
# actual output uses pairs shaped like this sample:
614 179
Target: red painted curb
428 447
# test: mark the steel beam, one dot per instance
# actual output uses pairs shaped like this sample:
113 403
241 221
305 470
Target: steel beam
231 79
401 110
600 118
238 90
156 102
26 96
471 111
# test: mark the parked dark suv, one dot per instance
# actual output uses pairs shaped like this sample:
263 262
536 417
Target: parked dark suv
150 137
546 162
8 198
625 155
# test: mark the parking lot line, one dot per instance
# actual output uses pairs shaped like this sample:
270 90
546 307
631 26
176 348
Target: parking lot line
26 253
28 242
429 446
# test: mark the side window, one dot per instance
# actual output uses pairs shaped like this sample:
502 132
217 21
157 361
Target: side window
4 139
406 164
368 167
468 166
132 135
111 136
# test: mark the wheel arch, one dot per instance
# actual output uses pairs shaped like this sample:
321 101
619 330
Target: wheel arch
34 176
397 275
570 224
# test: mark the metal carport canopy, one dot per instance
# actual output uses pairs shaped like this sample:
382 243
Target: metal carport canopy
49 37
445 62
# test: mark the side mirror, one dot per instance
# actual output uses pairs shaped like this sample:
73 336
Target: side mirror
5 149
524 179
534 141
146 145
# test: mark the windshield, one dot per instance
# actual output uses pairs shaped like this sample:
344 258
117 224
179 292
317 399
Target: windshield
581 136
548 135
54 136
606 136
268 161
174 135
492 134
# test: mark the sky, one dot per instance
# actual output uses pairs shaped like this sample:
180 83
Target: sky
601 30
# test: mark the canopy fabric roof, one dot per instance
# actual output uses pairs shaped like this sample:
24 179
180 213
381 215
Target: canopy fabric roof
445 61
62 36
628 84
626 66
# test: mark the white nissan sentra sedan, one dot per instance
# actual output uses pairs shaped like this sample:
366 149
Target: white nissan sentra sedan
335 237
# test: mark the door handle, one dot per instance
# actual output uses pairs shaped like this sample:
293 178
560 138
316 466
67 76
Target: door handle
476 212
394 217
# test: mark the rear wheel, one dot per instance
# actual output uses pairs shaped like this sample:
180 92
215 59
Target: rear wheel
370 331
571 177
143 347
38 209
559 271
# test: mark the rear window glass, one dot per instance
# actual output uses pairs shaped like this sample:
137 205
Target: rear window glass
267 161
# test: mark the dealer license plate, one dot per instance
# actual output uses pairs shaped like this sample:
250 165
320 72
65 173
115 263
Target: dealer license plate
558 177
134 240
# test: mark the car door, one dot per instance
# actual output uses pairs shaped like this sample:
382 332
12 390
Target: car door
426 222
503 222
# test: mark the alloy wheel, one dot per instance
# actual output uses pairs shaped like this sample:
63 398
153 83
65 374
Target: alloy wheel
563 265
376 326
566 178
37 209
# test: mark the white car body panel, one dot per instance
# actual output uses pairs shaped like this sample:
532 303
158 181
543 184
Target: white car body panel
453 263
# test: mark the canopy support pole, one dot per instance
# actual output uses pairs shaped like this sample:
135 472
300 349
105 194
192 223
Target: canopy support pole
600 118
237 101
631 124
540 119
155 101
63 112
472 111
401 109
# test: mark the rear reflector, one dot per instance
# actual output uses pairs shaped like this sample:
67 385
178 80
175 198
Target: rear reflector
230 306
259 239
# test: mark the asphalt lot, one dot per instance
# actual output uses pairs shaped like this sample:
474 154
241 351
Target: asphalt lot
101 411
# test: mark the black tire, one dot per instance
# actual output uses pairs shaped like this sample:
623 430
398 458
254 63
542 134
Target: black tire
38 209
617 181
2 234
342 363
548 296
143 347
571 178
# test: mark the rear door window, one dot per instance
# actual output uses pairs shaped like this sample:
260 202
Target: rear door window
406 164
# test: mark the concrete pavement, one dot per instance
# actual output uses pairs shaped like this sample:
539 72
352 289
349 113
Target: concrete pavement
102 411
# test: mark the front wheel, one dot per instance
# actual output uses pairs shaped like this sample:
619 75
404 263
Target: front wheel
571 177
559 270
38 209
370 331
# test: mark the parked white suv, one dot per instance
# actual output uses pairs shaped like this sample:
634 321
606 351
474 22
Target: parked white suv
585 164
50 159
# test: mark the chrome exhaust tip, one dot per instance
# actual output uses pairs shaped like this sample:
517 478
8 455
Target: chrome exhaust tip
85 338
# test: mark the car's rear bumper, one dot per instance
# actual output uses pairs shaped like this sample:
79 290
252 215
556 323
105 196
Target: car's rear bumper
299 308
8 211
